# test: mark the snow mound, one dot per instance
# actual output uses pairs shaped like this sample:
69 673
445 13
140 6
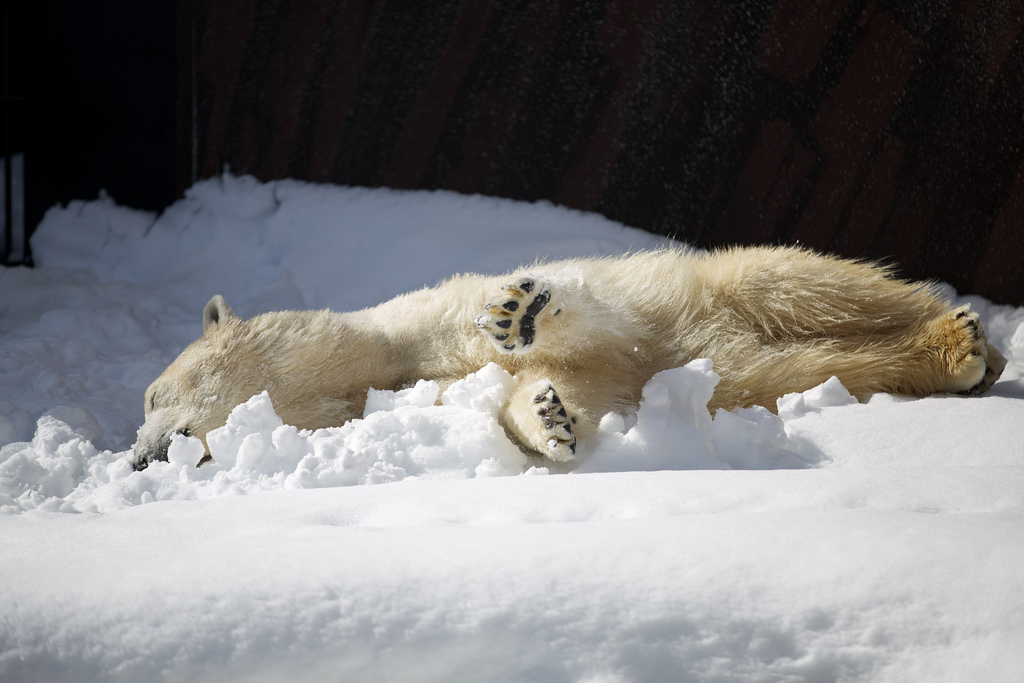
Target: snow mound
673 427
403 434
883 544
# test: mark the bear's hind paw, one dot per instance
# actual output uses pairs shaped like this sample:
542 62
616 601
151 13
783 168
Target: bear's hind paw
966 352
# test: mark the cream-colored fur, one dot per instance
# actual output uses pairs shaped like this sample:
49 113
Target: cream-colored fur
581 338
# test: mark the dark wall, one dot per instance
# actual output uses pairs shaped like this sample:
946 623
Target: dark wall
102 102
884 129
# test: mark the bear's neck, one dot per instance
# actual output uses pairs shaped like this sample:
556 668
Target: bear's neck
340 350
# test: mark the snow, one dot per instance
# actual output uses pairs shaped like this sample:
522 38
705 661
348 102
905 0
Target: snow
835 541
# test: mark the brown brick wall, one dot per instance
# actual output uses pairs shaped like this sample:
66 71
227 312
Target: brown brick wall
883 129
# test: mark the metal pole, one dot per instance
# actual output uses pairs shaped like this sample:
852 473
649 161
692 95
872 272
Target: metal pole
5 253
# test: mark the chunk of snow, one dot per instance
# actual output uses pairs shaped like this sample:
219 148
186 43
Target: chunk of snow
828 394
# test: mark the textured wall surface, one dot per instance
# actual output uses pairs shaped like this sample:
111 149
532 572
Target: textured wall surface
100 100
884 129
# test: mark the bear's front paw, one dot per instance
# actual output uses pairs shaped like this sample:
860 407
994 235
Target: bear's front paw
555 426
511 319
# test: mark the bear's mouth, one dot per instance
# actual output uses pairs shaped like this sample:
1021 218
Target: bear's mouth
147 452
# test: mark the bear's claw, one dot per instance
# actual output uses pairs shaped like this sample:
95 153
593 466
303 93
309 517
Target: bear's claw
555 423
972 361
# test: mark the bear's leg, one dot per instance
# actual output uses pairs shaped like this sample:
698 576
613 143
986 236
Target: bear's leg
510 319
964 355
538 418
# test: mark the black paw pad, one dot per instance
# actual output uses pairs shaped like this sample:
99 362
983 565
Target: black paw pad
556 422
515 312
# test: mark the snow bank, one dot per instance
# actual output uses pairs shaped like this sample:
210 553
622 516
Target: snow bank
834 541
822 575
402 434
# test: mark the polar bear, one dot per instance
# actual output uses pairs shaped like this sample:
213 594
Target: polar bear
581 338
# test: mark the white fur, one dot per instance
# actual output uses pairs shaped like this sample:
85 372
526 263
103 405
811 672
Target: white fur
773 320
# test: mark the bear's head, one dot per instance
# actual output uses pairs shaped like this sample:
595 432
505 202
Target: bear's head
316 367
197 392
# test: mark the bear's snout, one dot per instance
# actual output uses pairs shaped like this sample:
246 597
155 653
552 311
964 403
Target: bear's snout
148 450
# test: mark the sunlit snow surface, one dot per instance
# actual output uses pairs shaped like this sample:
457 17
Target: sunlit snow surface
835 541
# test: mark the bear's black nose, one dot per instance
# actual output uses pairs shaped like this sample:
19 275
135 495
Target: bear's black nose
145 453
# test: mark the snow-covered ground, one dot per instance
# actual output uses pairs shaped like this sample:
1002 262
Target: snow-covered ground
836 541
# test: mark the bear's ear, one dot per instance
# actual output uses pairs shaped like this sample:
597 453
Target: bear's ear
216 313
